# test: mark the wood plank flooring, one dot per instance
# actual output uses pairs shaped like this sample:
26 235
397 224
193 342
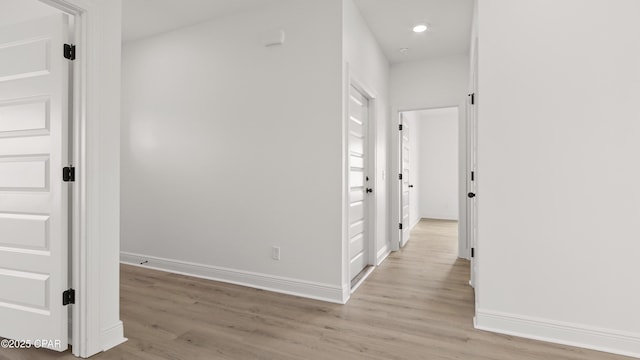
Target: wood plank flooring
417 305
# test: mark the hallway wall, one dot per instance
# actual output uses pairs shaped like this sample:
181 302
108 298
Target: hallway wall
230 148
559 84
437 172
434 83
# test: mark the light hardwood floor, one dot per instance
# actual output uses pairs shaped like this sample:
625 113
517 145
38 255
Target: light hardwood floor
417 305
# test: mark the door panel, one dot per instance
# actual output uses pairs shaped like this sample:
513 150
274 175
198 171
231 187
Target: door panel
357 162
32 55
33 198
24 232
356 211
357 195
356 178
356 229
357 243
356 145
30 115
32 288
29 173
358 127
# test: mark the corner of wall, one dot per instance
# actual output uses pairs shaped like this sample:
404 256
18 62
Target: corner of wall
346 293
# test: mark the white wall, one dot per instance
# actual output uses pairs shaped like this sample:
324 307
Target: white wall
230 148
559 84
434 83
437 145
366 64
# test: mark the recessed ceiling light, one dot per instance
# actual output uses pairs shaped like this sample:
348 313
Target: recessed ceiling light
420 28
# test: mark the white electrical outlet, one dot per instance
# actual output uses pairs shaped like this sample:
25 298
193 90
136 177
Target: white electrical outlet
275 253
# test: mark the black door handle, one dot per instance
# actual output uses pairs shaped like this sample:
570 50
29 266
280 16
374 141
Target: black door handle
410 186
369 190
471 195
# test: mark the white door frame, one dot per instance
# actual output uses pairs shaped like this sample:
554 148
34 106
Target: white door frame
371 149
396 169
88 334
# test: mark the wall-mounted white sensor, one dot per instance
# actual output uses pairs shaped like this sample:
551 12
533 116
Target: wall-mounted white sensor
274 38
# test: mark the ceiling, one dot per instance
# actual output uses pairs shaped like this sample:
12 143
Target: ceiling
142 18
392 21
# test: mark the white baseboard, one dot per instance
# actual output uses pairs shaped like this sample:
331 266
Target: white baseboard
112 336
296 287
382 254
441 217
606 340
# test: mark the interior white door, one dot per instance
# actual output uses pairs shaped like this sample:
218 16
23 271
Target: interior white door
405 203
472 177
33 198
359 182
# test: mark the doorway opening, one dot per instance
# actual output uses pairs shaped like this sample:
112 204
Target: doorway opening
430 168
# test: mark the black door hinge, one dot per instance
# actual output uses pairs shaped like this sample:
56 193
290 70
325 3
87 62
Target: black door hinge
400 226
399 176
69 174
68 297
473 98
473 176
69 51
400 127
473 252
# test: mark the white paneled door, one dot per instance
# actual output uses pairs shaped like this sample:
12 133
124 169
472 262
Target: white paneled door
405 204
472 204
33 197
359 182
